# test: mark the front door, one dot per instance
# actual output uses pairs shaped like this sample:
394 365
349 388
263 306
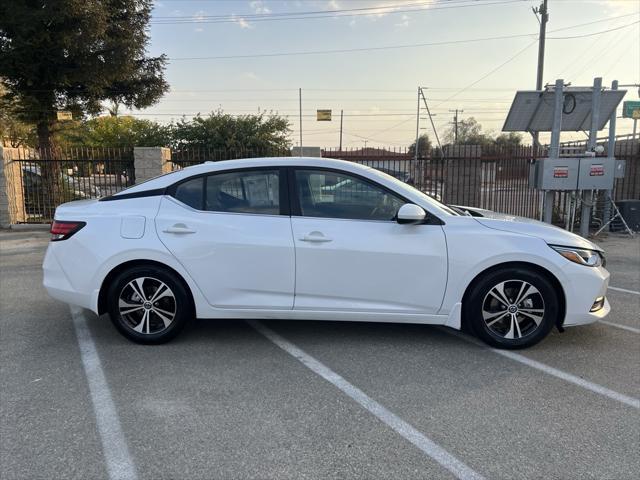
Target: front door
229 232
351 254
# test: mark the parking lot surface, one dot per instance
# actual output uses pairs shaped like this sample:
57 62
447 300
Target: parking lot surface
275 399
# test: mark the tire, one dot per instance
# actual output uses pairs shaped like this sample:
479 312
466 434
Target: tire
149 320
494 313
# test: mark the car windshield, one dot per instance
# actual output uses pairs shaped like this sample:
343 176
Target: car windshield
430 200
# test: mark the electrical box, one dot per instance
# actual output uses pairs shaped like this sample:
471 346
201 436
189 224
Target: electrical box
555 173
575 173
596 173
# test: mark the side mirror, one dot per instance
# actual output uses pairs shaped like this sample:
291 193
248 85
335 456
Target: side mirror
411 213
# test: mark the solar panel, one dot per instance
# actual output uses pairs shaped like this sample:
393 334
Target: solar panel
532 110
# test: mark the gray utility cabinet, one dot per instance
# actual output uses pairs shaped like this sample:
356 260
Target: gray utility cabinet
575 173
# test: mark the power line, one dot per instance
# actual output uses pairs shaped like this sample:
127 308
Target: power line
335 11
488 73
259 18
390 47
595 33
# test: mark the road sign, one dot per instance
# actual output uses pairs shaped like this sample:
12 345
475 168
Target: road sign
323 115
64 115
631 109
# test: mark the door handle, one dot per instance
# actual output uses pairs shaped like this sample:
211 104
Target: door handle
315 237
178 228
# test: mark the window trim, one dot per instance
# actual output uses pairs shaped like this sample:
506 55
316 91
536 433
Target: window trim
283 189
296 209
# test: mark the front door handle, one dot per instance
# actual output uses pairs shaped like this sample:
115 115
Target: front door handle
315 237
178 228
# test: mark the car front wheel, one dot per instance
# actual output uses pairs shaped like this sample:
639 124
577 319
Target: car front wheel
148 304
512 308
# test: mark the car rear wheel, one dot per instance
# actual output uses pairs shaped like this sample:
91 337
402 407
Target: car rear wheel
148 304
512 308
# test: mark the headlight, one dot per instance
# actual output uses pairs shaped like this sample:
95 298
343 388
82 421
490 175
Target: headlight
590 258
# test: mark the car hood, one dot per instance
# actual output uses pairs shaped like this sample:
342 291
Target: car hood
526 226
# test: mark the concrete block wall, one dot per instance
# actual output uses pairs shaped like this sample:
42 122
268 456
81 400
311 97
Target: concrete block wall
12 208
149 162
5 217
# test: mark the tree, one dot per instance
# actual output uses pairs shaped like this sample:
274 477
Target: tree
424 145
260 133
509 140
114 131
13 133
469 133
75 54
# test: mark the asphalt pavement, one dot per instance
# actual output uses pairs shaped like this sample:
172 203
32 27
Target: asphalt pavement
311 400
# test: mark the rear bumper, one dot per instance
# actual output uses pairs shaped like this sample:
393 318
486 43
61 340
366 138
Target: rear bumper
59 286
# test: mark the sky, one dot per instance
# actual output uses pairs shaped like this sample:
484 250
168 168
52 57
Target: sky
247 56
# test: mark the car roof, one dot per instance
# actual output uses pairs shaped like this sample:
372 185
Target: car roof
410 193
168 179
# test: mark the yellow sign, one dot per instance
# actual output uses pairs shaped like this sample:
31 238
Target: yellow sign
64 115
635 114
323 115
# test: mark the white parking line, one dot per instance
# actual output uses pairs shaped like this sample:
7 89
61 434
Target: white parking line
568 377
418 439
624 290
623 327
120 465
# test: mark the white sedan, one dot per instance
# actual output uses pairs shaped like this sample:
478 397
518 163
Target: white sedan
315 239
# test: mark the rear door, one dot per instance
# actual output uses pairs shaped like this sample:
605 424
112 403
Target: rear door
232 233
351 254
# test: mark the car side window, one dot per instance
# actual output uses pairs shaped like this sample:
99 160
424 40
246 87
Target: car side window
246 191
332 194
190 192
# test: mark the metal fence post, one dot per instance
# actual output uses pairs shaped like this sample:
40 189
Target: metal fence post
587 195
554 146
611 153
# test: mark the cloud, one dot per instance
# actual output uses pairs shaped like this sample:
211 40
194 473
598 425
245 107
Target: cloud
333 5
240 21
258 6
199 16
404 22
382 8
250 76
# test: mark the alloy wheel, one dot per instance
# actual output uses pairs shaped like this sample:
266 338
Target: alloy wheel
147 305
513 309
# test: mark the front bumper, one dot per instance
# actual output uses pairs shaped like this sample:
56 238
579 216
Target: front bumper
582 286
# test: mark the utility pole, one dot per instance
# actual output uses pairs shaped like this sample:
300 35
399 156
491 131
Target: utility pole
455 125
300 107
415 153
549 196
544 18
341 130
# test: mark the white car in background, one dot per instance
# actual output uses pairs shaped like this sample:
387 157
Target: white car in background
269 238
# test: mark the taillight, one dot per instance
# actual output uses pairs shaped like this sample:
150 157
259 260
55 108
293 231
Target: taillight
63 229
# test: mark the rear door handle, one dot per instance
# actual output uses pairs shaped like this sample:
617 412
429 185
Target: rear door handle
315 237
178 228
